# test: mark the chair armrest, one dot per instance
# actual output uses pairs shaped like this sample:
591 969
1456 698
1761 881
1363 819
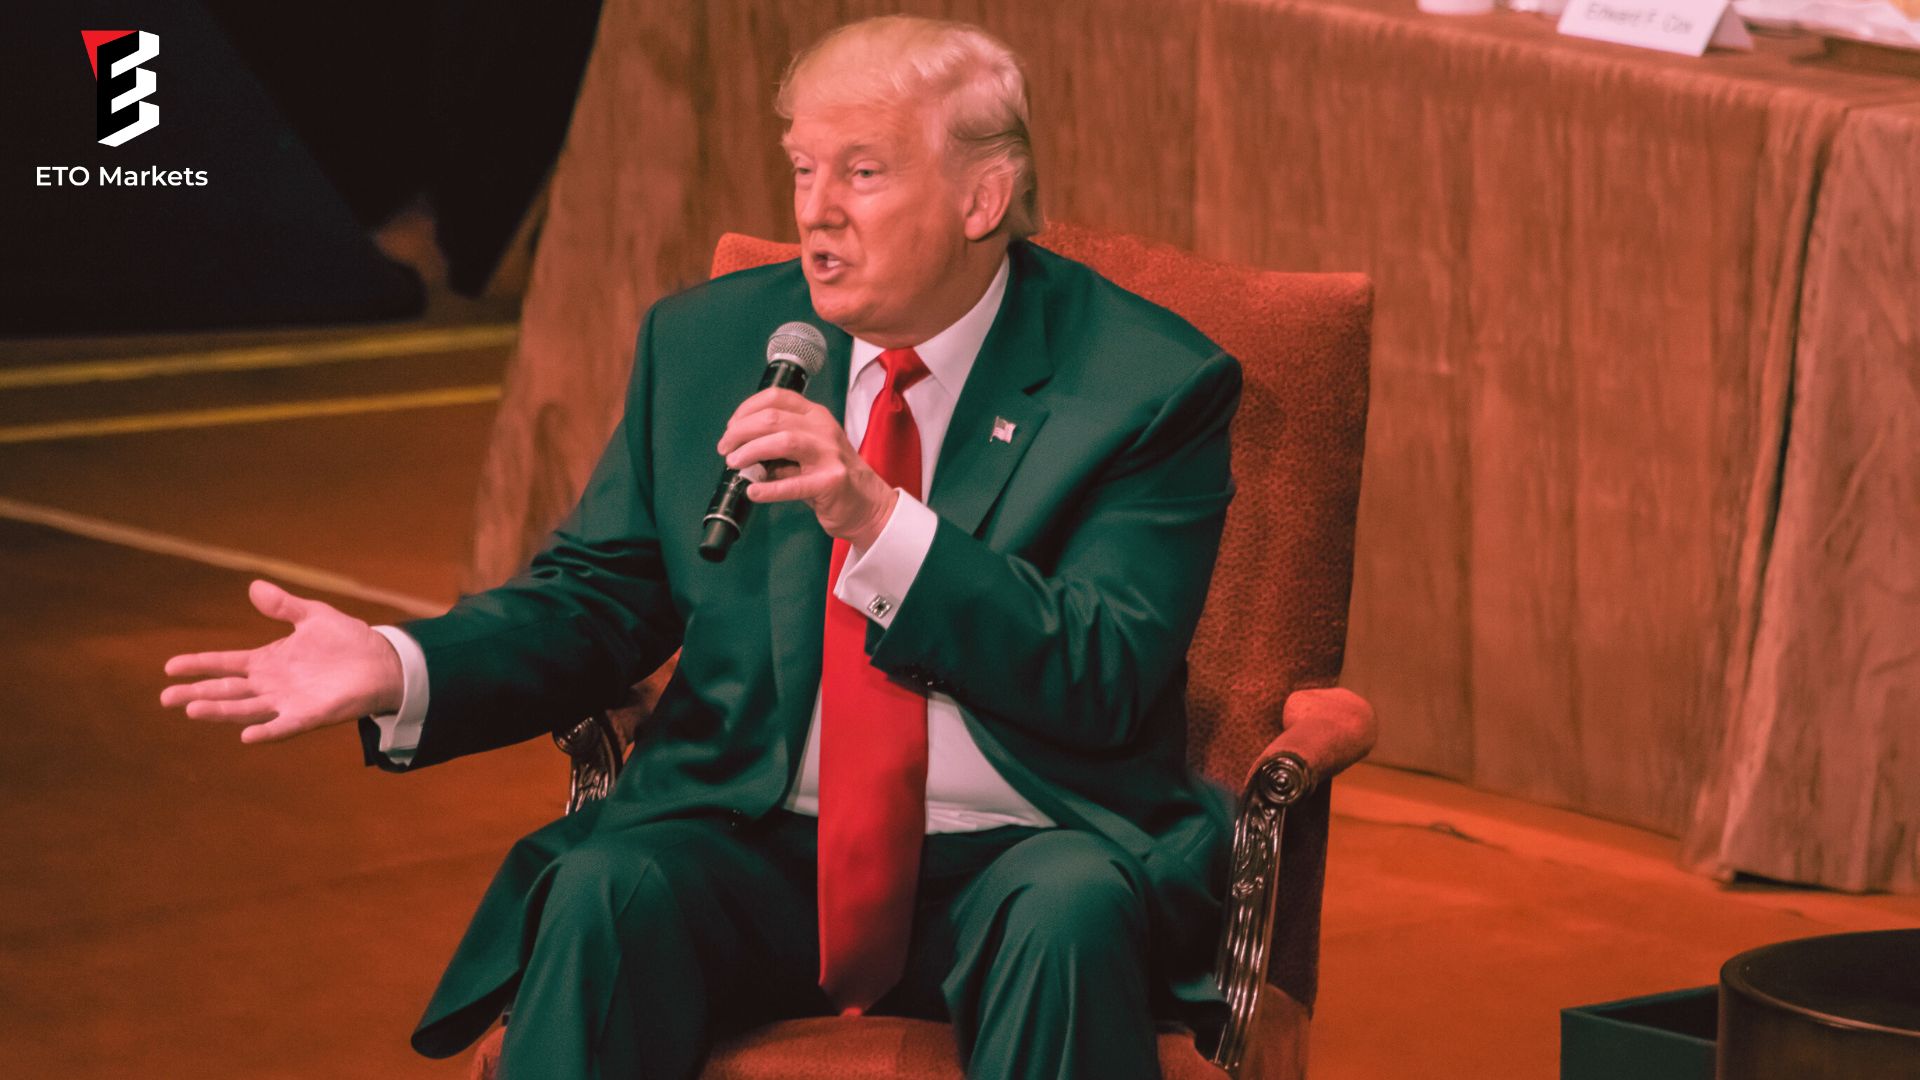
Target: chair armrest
598 745
1322 732
598 749
1328 729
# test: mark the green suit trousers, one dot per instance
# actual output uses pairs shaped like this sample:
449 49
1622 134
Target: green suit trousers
655 940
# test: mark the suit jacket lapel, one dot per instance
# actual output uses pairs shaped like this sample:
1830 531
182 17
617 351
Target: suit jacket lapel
995 420
797 562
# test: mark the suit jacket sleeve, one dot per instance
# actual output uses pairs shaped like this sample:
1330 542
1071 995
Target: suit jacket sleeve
1082 652
591 615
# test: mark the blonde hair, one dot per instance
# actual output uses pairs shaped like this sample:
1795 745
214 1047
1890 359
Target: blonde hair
977 82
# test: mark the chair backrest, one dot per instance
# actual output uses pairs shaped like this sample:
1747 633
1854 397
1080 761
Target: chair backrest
1276 615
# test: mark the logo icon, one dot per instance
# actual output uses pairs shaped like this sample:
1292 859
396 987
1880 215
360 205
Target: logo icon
123 84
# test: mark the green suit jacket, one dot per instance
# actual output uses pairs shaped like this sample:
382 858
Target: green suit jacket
1055 604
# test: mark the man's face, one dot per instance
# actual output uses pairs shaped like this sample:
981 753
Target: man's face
882 223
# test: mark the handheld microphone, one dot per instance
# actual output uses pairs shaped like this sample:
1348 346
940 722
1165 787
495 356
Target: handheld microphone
795 353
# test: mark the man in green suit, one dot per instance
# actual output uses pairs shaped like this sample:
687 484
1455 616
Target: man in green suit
1035 606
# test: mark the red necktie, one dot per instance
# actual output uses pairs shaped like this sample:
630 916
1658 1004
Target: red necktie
873 755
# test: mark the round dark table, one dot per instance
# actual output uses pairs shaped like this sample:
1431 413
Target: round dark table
1843 1007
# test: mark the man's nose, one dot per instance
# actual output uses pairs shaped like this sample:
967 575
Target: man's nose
818 207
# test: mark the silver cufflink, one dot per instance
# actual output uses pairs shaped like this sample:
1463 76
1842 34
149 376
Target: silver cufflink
879 606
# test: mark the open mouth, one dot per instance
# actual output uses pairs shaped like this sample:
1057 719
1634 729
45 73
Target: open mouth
826 264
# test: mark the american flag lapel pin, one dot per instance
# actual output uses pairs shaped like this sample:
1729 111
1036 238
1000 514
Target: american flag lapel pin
1002 429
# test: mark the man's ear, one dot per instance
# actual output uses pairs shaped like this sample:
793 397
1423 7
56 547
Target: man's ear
987 197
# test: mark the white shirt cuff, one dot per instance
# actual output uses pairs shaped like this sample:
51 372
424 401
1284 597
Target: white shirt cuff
876 579
400 731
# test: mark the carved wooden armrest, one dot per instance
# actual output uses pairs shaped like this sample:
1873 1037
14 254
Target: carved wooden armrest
1322 732
598 745
599 752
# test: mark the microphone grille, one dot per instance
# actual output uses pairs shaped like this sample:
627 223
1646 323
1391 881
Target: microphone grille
800 343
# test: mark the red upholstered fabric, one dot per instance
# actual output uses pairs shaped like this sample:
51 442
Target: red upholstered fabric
870 1048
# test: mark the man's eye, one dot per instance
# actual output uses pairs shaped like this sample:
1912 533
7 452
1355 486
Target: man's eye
802 170
866 174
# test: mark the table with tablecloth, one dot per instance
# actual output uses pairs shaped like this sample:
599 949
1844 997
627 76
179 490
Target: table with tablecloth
1638 529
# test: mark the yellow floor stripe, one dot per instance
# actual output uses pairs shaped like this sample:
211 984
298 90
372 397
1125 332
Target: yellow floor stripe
287 573
248 414
299 354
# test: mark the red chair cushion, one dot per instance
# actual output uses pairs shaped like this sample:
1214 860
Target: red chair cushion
870 1048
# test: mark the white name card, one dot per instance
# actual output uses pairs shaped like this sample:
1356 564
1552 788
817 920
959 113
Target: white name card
1676 26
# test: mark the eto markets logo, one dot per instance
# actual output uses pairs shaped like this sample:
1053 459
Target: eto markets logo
124 82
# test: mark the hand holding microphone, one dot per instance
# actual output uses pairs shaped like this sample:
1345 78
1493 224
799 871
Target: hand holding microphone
802 453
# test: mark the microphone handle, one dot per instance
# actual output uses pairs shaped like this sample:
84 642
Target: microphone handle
727 511
786 375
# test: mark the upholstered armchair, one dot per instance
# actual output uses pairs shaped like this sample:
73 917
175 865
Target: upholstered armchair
1264 715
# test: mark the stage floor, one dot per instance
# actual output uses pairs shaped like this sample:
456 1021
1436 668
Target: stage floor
176 904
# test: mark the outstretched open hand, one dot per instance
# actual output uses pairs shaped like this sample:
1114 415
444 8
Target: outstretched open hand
333 668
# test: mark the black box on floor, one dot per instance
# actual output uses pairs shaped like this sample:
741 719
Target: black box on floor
1662 1037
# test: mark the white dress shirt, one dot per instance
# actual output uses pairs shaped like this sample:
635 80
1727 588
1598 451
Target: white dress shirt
964 791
